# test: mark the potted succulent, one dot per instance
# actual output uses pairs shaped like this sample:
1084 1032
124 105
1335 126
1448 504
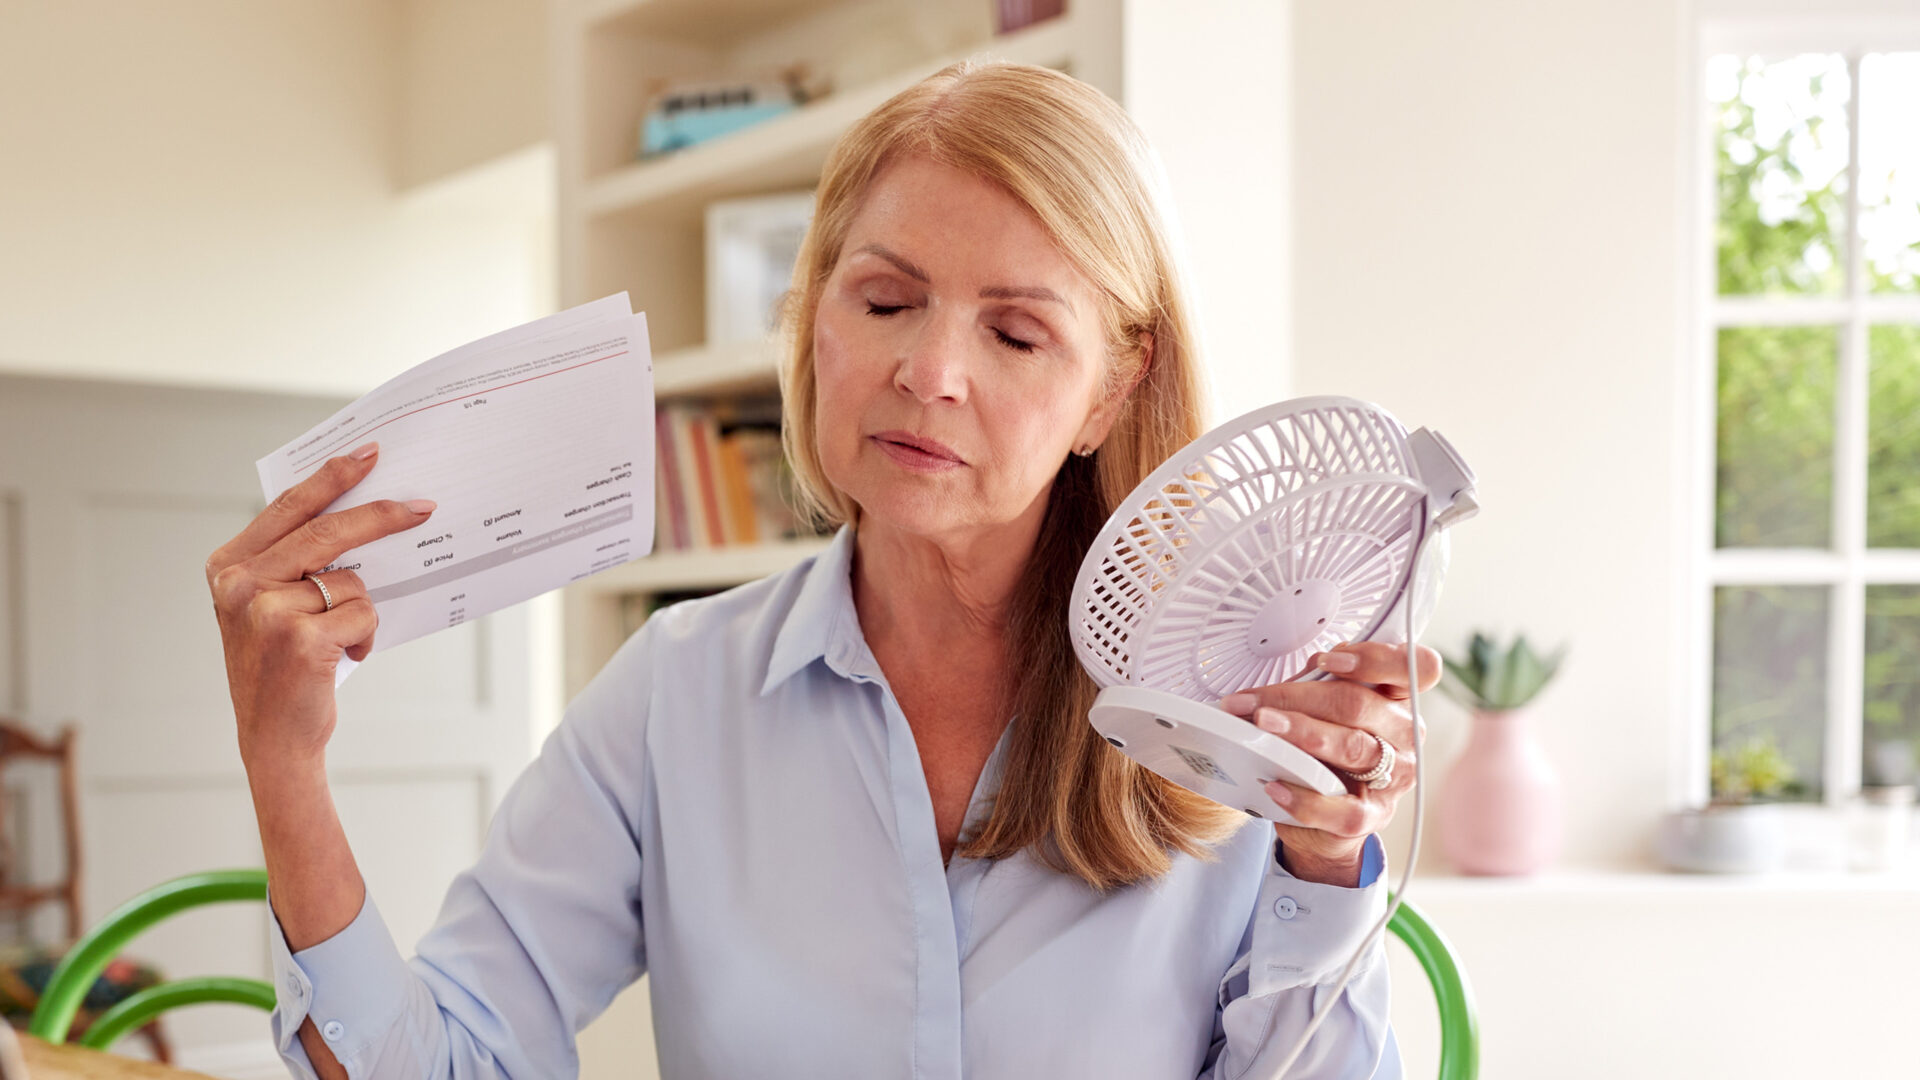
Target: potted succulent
1498 810
1740 831
1750 772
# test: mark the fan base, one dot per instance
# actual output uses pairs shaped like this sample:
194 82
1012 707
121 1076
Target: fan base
1206 750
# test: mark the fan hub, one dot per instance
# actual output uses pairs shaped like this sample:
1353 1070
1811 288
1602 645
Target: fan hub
1291 620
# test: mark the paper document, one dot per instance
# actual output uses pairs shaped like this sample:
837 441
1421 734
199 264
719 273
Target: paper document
537 444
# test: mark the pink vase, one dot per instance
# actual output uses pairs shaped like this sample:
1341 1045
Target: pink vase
1499 808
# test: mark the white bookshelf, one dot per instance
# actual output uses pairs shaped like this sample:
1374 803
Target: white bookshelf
788 151
1206 79
702 372
638 226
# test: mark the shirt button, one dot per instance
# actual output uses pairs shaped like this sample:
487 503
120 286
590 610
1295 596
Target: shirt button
333 1030
293 984
1285 907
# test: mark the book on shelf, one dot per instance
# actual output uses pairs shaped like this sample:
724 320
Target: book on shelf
722 478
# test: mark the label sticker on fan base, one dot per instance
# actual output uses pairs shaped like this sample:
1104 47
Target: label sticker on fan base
1202 764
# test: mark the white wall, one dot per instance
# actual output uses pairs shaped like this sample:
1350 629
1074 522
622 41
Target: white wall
473 83
204 191
1225 153
1491 229
1488 243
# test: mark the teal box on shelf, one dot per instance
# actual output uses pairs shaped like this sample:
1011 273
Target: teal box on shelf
696 115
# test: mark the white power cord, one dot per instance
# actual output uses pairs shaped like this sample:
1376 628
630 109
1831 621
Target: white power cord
1419 806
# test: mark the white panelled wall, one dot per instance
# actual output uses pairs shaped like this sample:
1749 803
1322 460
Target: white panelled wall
114 497
300 198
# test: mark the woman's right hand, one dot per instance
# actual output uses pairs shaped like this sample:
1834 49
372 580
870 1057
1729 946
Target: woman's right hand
282 644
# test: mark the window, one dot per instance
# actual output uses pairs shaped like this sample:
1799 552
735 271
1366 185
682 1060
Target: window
1814 342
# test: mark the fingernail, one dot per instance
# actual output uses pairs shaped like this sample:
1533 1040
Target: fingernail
362 453
1338 662
1280 793
421 506
1272 720
1239 704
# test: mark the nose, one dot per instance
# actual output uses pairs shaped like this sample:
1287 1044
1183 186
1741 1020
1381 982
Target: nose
933 367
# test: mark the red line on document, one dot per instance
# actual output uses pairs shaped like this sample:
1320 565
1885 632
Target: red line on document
463 397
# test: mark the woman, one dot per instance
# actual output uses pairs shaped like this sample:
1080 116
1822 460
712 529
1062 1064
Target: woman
851 818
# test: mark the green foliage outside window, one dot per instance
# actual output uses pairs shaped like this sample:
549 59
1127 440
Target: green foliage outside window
1782 222
1781 230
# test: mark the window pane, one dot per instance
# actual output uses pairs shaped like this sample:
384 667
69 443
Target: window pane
1890 171
1893 684
1774 468
1770 680
1893 437
1782 172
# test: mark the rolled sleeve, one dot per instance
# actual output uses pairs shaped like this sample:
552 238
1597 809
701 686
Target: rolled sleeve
531 943
354 985
1299 937
1304 931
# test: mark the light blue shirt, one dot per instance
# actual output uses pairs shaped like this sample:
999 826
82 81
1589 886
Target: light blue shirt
736 807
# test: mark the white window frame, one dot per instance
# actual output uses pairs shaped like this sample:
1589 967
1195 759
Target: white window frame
1848 568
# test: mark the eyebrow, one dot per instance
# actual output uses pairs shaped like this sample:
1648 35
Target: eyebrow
991 292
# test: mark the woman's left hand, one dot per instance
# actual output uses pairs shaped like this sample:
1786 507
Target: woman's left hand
1336 720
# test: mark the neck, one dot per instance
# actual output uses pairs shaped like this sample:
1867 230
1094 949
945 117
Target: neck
930 595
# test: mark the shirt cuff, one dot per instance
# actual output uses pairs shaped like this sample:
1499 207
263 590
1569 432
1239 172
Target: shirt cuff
1304 931
353 985
1373 859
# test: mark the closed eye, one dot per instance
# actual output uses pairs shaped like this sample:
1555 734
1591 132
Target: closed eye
1012 342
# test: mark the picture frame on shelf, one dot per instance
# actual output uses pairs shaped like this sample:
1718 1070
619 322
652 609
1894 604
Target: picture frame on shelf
752 244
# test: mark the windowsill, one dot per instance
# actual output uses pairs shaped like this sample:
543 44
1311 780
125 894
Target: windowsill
1575 882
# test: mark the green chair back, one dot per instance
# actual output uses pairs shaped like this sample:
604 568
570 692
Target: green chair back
1459 1027
68 986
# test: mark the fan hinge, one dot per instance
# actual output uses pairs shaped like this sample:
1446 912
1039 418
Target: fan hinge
1446 476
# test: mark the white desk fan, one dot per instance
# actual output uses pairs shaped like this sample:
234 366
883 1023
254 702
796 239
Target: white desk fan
1274 536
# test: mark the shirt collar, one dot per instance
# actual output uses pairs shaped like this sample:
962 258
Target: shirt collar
822 623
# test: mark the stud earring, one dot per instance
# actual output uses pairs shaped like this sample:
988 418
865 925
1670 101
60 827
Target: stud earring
1085 450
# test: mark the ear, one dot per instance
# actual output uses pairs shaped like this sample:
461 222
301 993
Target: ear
1100 420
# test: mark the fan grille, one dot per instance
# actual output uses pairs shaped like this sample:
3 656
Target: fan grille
1313 490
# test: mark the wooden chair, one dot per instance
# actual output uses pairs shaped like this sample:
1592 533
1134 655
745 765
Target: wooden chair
27 966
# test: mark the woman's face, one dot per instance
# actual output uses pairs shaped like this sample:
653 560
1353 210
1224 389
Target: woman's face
959 356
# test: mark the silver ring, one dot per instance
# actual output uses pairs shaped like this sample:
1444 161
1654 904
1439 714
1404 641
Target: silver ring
1381 775
328 597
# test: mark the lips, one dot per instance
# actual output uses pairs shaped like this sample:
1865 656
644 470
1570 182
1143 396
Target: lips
930 447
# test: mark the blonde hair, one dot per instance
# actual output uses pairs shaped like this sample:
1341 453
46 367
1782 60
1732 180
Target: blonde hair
1081 166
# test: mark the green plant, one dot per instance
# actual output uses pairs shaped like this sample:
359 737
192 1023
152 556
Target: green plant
1750 770
1495 679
